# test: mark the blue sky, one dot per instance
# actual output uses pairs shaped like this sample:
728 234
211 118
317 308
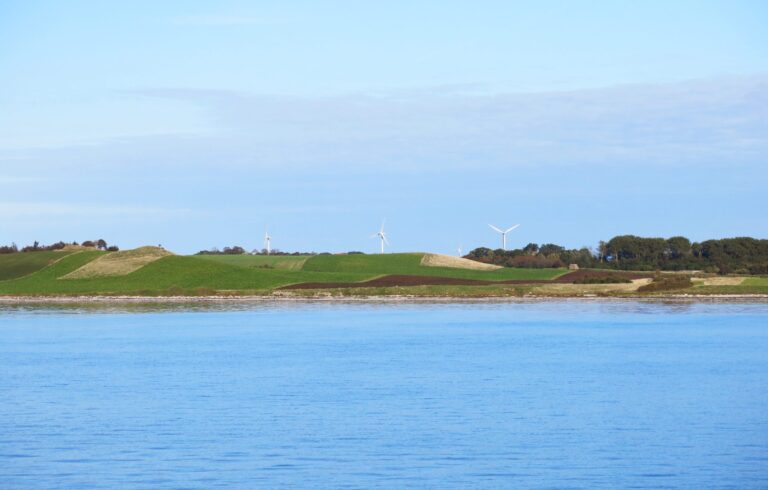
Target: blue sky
198 124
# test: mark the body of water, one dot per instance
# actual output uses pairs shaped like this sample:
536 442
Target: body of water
554 394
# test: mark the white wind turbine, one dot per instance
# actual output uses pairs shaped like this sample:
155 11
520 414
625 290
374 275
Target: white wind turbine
504 235
382 236
267 242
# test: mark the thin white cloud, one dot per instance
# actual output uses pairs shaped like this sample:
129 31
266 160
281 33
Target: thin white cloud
49 209
699 122
10 179
706 119
222 20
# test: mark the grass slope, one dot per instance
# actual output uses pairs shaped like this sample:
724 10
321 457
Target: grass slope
411 264
750 285
40 273
283 262
119 263
756 281
169 275
21 264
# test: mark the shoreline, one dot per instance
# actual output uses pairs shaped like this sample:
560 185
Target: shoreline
5 300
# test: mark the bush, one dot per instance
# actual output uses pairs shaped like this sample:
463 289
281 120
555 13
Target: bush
666 283
9 249
606 279
534 262
754 269
236 250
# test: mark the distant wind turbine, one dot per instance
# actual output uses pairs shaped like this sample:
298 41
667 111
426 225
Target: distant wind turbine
503 235
267 242
459 250
382 236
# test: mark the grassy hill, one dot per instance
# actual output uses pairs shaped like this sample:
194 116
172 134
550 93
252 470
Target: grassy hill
410 264
53 273
17 265
283 262
750 285
169 275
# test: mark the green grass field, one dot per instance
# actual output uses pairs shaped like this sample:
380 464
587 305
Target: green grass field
41 273
751 285
283 262
169 275
17 265
410 264
756 281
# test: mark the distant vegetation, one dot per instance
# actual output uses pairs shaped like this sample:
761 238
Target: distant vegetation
611 278
238 250
742 255
410 264
666 283
99 244
150 271
235 250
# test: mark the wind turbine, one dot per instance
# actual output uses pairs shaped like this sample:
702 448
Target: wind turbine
382 236
267 241
503 235
459 250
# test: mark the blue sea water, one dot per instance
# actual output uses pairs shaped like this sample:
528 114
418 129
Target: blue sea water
555 394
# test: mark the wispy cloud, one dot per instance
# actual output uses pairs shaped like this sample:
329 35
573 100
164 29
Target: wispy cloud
11 179
223 20
61 209
694 121
722 121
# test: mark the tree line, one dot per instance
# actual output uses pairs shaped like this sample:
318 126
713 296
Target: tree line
741 255
238 250
99 244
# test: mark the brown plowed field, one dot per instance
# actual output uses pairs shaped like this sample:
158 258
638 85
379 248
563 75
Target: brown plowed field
404 280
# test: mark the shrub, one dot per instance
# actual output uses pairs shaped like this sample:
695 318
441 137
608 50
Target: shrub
534 262
666 283
9 249
606 279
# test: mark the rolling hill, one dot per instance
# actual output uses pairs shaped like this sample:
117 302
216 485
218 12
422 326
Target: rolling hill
149 271
15 265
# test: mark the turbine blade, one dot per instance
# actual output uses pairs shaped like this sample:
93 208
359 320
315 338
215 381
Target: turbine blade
496 228
385 240
382 224
510 229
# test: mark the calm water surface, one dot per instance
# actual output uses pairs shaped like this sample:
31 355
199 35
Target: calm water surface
564 394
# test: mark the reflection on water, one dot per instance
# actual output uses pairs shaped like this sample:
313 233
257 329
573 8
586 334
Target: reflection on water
604 305
521 394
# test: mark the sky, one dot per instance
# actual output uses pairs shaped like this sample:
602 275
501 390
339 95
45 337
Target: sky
202 124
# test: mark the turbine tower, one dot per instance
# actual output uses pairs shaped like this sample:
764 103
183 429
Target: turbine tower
382 236
267 242
504 235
